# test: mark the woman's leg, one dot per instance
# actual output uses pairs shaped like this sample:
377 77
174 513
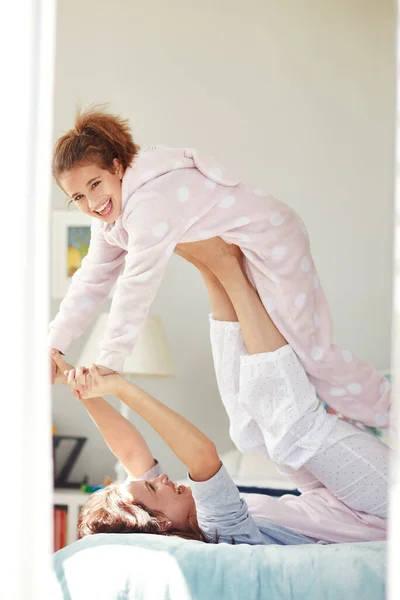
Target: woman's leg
275 391
354 466
227 348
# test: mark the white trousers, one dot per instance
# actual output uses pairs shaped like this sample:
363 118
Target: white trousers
272 405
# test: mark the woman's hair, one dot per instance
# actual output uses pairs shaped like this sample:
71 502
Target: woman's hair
98 137
111 510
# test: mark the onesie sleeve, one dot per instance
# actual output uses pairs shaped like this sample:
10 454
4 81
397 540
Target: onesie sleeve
90 286
154 227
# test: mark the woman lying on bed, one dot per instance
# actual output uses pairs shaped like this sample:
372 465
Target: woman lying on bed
341 471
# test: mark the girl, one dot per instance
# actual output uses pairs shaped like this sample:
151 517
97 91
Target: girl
341 470
144 203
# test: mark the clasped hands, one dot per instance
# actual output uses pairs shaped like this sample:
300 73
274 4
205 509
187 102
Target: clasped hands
84 382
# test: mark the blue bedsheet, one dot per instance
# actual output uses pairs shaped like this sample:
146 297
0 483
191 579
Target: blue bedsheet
149 567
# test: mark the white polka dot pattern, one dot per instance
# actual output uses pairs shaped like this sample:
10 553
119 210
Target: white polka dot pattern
215 172
226 202
86 304
338 392
354 388
242 221
317 353
211 185
183 194
300 301
305 264
278 253
269 303
347 356
276 219
130 330
160 229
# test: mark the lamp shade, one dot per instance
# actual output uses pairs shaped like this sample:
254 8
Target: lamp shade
151 356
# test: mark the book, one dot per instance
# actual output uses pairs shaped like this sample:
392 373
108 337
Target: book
60 516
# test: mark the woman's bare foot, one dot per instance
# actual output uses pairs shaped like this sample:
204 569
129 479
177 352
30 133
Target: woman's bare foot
190 256
213 254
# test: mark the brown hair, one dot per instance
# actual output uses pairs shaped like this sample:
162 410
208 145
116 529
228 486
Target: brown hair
96 137
111 510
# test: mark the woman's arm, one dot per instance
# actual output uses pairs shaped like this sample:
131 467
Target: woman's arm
197 452
120 435
220 510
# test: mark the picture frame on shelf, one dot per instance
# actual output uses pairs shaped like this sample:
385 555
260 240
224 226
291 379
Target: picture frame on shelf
71 237
66 451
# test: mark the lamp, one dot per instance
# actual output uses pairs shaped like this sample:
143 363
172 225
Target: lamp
151 357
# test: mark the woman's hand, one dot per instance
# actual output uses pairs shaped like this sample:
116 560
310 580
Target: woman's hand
93 382
79 375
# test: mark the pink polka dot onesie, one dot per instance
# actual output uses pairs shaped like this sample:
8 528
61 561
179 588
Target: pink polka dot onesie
172 196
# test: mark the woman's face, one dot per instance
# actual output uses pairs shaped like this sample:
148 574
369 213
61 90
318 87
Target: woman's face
95 191
161 494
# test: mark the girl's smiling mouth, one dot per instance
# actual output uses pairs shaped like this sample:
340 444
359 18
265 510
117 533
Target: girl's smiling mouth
105 209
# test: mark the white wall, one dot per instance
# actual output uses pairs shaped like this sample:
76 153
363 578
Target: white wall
298 98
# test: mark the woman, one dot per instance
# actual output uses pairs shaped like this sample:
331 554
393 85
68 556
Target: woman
341 470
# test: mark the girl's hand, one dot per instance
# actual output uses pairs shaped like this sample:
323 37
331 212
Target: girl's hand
95 381
58 367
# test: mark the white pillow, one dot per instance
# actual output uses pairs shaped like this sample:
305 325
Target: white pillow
255 469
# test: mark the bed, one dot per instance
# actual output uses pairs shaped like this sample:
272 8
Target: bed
150 567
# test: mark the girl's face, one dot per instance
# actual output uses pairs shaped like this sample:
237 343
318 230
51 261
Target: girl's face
95 191
160 494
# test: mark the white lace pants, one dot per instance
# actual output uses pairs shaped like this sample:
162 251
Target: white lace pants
271 404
